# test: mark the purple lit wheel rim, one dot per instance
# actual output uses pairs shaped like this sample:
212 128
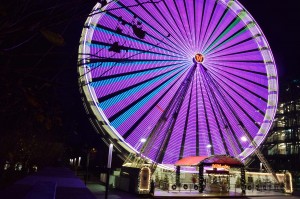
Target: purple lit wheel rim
134 55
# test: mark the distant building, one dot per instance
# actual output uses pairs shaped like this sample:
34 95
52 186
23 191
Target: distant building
282 147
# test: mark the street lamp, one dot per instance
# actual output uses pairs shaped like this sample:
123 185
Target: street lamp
89 151
111 146
208 149
244 139
141 142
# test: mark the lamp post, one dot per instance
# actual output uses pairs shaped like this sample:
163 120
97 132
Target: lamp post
89 151
87 167
243 173
208 150
142 141
244 139
108 169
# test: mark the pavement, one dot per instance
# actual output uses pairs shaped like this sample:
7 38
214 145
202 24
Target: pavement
49 183
99 190
59 183
62 183
230 194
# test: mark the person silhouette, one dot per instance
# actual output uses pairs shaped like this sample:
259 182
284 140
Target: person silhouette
152 187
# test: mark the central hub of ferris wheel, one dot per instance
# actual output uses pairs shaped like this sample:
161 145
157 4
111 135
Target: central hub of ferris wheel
199 58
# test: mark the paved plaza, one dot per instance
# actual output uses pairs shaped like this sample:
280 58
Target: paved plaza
49 183
62 183
98 191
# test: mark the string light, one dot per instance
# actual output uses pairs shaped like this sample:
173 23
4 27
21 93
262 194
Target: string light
140 180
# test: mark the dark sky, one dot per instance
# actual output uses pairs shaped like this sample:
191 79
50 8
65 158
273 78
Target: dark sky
280 22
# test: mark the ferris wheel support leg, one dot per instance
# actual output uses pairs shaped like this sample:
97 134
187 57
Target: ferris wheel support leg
243 180
178 176
259 154
266 164
201 178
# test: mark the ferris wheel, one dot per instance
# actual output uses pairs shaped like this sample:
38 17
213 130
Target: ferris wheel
188 78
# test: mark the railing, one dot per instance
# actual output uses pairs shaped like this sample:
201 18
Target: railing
183 187
280 139
263 186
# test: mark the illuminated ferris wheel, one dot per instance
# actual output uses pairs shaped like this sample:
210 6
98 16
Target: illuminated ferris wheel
190 78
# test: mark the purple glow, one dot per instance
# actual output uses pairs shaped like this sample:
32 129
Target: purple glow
135 76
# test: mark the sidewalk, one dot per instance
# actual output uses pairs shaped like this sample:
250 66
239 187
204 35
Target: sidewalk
99 191
53 182
230 194
62 183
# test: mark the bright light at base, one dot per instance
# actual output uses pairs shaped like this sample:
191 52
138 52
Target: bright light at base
244 139
143 140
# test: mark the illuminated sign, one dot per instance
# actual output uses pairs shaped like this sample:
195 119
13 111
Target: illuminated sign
199 58
219 166
144 179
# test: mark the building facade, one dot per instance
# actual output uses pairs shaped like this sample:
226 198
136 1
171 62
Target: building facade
282 147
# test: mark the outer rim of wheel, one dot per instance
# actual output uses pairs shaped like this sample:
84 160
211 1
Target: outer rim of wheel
89 94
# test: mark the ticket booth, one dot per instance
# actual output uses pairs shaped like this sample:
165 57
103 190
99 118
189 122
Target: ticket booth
218 179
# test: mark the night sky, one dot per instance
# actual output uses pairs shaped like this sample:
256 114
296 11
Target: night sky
280 22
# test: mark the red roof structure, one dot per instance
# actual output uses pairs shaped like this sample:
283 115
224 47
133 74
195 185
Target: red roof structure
190 161
215 159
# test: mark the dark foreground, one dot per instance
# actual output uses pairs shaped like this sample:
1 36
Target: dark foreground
62 183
